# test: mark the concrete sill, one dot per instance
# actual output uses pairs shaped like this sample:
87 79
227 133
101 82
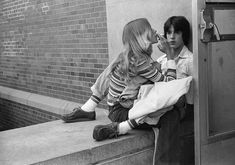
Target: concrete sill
59 143
50 104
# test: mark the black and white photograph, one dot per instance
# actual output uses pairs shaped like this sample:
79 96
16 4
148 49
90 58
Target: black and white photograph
117 82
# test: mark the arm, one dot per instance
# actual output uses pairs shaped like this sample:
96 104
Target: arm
189 70
149 70
170 65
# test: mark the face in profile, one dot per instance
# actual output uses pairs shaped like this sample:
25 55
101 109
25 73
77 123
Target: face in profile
139 36
149 38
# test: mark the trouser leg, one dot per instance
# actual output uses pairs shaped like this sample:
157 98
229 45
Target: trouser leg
168 144
101 85
118 113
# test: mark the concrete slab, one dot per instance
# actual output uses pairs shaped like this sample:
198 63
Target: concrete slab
19 96
69 107
59 143
4 92
46 103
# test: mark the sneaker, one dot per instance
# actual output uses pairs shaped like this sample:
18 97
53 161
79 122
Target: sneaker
102 132
78 115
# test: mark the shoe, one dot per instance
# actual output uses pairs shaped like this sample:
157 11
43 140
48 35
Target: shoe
78 115
102 132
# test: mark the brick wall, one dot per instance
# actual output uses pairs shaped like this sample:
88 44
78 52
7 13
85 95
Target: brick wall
53 47
15 115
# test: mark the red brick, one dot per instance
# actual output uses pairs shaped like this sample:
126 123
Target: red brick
42 44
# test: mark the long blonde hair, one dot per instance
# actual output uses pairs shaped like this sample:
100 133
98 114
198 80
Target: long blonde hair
134 47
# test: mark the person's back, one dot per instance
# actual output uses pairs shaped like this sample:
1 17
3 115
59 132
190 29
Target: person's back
118 83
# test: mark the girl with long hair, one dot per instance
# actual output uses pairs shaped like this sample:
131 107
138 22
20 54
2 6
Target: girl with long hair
132 68
134 65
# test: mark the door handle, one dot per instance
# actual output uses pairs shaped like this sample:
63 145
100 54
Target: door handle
207 27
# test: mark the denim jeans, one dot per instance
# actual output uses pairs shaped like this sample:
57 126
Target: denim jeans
168 143
169 151
118 113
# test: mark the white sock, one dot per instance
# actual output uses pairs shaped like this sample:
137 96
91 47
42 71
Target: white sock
89 106
123 128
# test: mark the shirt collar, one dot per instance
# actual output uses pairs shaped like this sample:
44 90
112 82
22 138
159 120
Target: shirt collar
183 53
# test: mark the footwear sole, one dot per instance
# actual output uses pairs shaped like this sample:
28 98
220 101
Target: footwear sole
77 120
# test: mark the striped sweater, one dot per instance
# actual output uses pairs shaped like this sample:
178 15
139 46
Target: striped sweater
146 69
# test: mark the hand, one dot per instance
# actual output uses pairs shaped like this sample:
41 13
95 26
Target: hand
158 65
154 39
181 102
160 44
164 47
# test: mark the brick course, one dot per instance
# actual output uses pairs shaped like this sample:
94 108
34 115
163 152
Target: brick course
53 47
16 115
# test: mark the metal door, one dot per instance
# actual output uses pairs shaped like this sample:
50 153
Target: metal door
214 76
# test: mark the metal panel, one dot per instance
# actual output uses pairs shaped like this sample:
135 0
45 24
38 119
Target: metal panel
221 1
214 63
224 19
221 87
217 22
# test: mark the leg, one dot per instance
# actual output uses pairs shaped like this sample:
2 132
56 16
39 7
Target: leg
101 85
120 124
118 113
168 144
87 111
99 91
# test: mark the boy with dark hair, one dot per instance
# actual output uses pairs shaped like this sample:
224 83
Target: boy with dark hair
180 24
177 33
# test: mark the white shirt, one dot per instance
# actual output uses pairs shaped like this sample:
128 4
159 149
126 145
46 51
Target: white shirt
184 68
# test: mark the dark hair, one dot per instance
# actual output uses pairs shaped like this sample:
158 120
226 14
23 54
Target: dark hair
180 24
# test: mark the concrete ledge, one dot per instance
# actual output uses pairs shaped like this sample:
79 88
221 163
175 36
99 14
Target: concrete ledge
50 104
59 143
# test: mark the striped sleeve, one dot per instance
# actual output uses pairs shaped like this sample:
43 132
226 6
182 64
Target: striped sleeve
147 69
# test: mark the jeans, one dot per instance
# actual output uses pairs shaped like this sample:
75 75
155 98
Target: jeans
168 144
118 113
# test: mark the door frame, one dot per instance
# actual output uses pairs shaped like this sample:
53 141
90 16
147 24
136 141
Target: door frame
200 81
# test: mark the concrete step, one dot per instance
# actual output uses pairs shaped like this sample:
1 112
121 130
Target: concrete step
145 156
57 143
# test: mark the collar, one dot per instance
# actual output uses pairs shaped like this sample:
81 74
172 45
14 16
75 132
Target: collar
183 53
